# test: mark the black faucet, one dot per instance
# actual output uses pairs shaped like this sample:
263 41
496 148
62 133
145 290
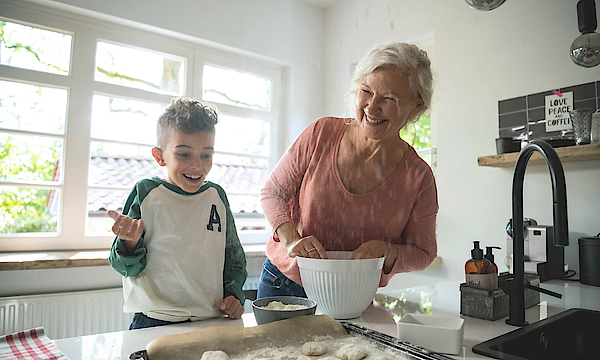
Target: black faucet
515 287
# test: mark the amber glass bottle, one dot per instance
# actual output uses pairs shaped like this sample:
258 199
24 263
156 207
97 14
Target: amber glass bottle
479 271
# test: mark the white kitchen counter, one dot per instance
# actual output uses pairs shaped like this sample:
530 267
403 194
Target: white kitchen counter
442 299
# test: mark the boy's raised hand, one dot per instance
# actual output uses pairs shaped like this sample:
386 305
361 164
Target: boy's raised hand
126 228
231 307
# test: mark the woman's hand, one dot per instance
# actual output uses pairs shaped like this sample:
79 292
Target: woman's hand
294 245
375 249
308 247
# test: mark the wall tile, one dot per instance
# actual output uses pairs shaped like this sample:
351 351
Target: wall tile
511 105
519 132
581 92
513 119
537 100
538 131
589 104
536 115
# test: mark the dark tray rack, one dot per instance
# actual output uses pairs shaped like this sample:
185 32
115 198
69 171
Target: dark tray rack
379 340
390 343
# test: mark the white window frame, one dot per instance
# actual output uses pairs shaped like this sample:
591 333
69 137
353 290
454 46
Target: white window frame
82 87
272 73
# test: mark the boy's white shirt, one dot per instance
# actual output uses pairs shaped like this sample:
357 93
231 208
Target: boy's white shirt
183 277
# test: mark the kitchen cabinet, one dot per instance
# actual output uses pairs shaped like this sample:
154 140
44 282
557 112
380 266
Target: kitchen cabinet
566 154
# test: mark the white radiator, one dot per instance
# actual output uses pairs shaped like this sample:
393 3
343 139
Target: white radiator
67 314
70 314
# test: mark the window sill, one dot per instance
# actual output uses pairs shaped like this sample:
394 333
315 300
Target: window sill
70 259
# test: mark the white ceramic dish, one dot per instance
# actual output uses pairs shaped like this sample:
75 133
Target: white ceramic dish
438 334
342 288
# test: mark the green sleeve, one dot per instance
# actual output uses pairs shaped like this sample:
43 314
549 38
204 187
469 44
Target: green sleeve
129 265
234 271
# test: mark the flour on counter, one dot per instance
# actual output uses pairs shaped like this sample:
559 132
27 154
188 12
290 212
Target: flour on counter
331 345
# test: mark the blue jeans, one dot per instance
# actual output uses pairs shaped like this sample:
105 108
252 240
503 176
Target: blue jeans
274 283
141 321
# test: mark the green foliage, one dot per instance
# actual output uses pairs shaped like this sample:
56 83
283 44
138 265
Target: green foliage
25 160
418 135
25 210
19 47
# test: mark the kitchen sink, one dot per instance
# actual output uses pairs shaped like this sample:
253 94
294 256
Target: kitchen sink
572 334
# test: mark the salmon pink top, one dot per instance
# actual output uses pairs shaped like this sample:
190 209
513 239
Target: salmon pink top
305 188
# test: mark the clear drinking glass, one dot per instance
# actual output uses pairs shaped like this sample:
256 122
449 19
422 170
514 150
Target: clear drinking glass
582 125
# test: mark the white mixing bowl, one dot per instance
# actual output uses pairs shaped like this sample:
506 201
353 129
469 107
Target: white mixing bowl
342 288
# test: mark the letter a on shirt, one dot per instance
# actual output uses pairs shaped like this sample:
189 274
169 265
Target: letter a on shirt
214 219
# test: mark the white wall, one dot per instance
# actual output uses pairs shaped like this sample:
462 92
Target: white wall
518 49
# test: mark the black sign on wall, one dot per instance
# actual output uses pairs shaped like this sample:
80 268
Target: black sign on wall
524 118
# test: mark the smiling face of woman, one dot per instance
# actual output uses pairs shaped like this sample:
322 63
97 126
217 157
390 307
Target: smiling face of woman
385 103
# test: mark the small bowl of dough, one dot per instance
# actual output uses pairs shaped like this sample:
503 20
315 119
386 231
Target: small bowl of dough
269 309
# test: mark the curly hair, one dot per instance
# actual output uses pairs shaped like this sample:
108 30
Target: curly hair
407 59
185 115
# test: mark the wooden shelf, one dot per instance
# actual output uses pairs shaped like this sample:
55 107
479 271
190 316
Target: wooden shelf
566 154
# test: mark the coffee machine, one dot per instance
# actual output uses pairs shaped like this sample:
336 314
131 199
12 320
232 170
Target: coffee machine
541 257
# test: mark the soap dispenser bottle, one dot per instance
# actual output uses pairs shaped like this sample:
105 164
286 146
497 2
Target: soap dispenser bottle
490 256
479 271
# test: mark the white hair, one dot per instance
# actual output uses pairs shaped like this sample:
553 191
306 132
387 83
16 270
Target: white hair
405 58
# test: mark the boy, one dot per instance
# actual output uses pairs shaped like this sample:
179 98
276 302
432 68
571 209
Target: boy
177 246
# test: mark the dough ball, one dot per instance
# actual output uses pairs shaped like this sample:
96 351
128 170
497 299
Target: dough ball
214 355
313 348
351 352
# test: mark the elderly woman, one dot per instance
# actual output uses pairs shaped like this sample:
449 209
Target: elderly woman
354 184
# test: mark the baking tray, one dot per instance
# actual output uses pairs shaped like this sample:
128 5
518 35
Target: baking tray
381 341
391 344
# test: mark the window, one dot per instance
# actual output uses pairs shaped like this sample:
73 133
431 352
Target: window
32 130
243 94
420 135
77 128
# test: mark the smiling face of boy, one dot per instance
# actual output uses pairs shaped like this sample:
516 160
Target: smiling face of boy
188 158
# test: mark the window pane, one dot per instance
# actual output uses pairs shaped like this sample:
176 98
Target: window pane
99 202
238 174
418 135
33 108
29 158
248 204
28 210
139 69
236 88
246 136
125 120
35 49
121 165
